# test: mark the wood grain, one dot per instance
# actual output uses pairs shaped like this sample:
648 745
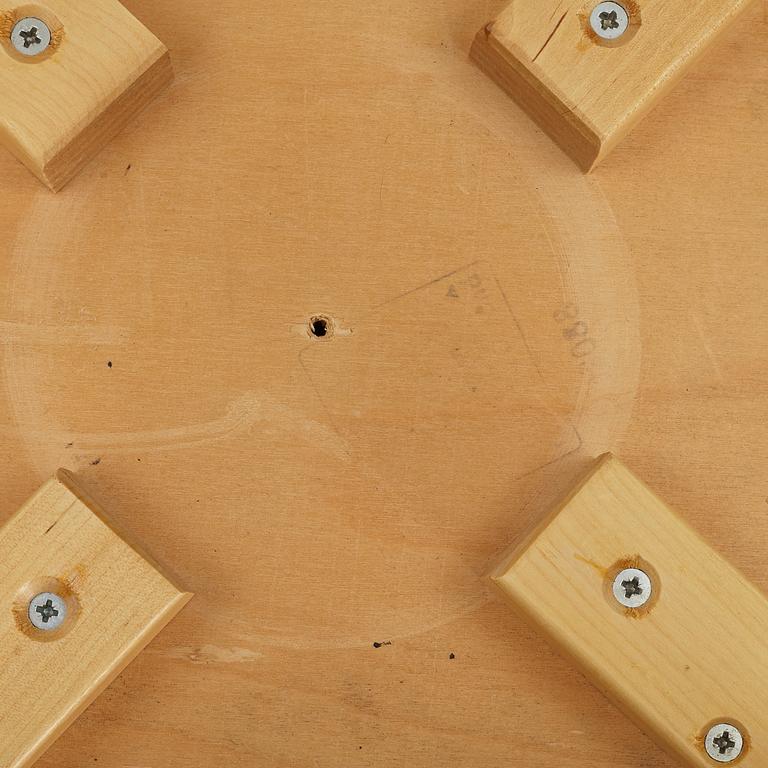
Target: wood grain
691 657
117 601
350 160
103 67
588 93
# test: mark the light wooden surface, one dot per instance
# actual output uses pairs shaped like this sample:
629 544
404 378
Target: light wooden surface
501 320
588 93
117 602
58 110
694 656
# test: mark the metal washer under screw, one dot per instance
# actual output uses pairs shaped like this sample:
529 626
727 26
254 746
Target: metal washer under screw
609 21
30 36
632 588
47 611
724 742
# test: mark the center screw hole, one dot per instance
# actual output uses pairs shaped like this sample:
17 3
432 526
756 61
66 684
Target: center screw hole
319 327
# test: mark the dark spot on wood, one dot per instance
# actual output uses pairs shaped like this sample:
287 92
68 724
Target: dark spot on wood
379 645
109 364
452 656
95 462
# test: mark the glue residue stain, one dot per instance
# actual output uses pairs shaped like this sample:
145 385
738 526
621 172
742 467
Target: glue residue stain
599 568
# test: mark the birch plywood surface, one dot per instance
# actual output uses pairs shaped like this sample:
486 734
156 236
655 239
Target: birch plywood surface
497 320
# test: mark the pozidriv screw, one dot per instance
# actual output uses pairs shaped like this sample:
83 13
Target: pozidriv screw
724 742
30 36
632 588
609 20
47 611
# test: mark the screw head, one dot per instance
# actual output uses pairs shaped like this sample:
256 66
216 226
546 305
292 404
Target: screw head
609 21
30 36
47 611
632 588
724 742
